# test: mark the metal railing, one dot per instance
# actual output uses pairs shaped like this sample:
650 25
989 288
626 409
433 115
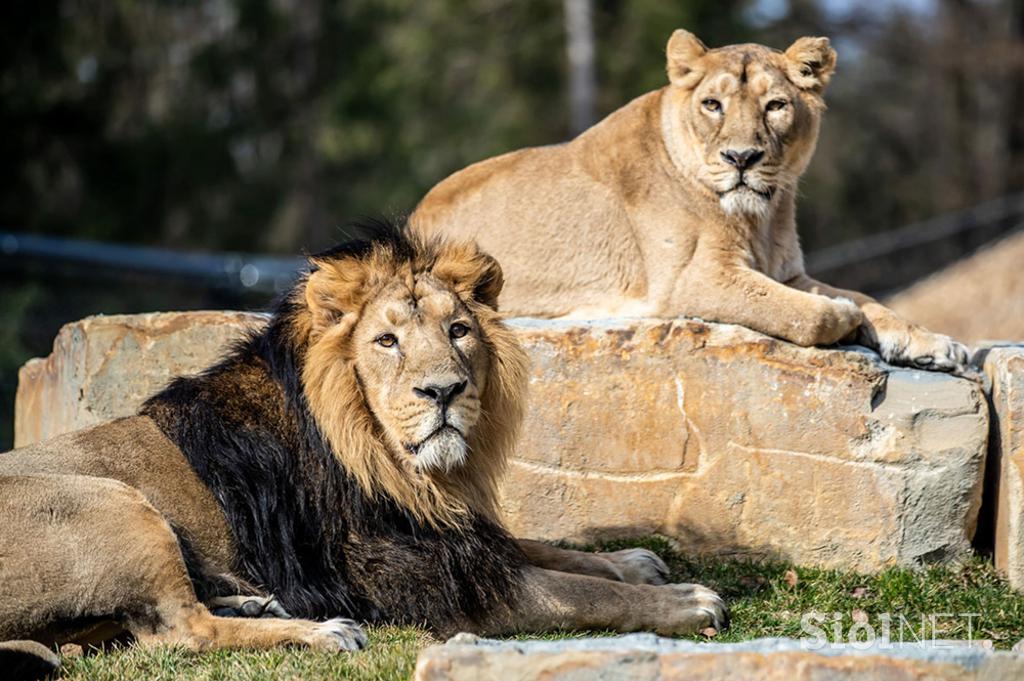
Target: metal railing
874 264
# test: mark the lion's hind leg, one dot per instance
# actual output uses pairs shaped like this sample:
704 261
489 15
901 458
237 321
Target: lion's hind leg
94 549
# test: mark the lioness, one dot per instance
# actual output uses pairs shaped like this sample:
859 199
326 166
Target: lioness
679 203
341 462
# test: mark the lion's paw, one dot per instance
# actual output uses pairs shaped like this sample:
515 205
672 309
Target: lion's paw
335 635
924 350
693 608
639 566
247 606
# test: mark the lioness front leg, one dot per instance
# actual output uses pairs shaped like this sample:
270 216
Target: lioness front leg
550 600
894 338
739 295
633 566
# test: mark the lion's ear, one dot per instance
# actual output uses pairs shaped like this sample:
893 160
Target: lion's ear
334 289
682 56
812 61
472 273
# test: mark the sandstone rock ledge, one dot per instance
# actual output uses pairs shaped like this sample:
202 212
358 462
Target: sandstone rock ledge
1004 365
717 436
645 657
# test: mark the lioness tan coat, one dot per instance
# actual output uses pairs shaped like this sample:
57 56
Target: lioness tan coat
679 203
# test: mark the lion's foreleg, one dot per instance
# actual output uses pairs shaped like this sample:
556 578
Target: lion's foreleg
550 600
634 566
896 340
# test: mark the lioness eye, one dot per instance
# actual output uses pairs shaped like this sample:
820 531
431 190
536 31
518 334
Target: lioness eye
387 340
776 105
712 105
458 330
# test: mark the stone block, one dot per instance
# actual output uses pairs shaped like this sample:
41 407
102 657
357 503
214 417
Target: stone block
104 367
1004 366
644 657
733 442
717 436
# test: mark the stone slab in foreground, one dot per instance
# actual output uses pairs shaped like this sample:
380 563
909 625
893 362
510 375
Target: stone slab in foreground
644 657
727 440
1005 367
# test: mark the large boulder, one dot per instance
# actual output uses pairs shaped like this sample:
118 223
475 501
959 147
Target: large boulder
105 367
1005 367
727 440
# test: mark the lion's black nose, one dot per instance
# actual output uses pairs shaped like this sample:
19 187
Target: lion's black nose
442 394
742 159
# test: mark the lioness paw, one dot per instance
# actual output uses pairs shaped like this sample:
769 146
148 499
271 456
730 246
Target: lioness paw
694 607
639 566
336 635
924 350
832 320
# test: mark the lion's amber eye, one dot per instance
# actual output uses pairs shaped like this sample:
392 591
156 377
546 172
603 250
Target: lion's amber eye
458 330
775 105
712 105
387 340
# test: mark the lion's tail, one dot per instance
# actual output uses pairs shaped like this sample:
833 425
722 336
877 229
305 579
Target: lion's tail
27 660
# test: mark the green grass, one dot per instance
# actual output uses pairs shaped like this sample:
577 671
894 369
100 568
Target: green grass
390 655
767 599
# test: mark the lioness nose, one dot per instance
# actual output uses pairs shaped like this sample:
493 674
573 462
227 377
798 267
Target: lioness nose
442 394
742 159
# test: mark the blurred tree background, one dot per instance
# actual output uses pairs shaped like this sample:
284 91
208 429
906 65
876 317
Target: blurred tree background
263 125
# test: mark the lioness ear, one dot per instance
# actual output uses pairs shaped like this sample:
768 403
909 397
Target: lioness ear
682 57
333 289
471 272
811 63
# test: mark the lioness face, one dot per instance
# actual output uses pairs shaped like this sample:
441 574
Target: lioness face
421 361
750 115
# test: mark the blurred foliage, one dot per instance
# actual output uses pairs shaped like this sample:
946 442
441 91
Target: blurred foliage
13 352
264 124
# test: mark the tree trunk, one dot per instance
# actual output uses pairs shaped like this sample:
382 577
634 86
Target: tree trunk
579 38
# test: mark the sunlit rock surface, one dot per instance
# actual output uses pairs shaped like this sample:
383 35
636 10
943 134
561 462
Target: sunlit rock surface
724 439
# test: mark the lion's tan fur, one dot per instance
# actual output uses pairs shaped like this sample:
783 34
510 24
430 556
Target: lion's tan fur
642 214
347 285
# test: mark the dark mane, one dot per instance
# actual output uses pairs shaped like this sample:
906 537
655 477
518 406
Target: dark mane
304 530
368 232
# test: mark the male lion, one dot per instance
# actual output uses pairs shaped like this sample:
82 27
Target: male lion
342 462
679 203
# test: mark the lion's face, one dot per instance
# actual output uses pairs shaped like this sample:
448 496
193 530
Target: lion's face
422 364
749 116
409 371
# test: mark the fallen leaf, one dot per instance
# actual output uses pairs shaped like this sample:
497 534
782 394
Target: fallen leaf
859 616
791 577
859 592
